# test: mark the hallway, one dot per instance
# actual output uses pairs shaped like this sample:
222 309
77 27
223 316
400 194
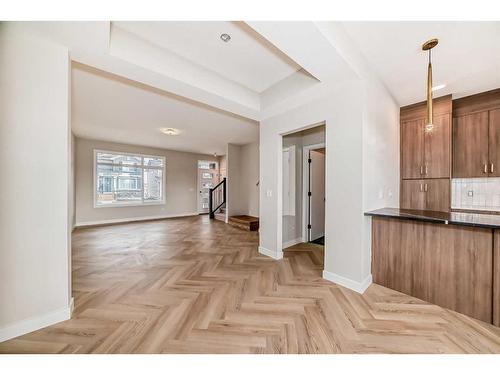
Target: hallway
192 285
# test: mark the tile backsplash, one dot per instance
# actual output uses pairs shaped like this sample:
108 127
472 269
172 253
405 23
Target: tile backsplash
476 193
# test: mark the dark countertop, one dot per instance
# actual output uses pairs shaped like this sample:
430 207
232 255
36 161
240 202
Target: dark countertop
457 218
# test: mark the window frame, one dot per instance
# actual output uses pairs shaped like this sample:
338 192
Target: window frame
142 167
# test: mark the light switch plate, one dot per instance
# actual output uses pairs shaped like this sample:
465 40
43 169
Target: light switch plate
470 193
269 193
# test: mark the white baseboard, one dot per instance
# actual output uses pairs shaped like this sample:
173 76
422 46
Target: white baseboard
270 253
33 324
295 241
132 219
319 236
359 287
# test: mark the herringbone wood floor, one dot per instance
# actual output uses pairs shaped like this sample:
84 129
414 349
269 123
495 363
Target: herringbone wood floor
191 285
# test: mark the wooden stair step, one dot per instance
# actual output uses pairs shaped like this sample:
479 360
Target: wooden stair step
220 216
246 222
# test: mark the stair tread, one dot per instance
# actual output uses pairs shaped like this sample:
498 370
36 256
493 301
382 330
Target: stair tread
244 219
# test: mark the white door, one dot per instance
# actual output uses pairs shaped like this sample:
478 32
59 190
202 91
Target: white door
317 197
208 177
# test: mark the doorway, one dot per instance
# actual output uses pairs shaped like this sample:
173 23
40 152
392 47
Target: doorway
314 197
303 175
208 177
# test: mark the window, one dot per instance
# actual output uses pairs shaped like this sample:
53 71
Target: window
207 165
126 179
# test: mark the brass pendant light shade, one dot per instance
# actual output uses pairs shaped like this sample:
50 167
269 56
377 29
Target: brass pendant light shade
428 46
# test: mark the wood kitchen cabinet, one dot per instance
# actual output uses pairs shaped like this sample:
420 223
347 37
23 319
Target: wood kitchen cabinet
412 150
426 153
437 148
412 195
428 194
470 145
496 277
448 265
494 143
437 194
476 135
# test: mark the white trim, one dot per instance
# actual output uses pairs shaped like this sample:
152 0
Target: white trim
358 287
295 241
132 219
33 324
305 185
270 253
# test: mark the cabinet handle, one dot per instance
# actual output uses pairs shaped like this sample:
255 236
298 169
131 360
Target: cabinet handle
425 187
421 169
426 169
485 170
491 168
421 187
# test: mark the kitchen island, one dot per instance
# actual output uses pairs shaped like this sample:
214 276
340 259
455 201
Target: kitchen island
449 259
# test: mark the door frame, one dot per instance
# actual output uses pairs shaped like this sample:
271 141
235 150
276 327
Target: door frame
305 186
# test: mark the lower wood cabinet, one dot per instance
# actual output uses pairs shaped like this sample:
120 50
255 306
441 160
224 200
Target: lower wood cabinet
448 265
496 278
430 194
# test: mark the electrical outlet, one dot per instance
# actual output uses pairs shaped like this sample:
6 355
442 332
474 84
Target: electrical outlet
470 193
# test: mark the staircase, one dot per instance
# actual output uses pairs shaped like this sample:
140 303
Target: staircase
221 214
217 210
245 222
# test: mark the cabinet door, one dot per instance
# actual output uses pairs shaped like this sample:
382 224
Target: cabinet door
470 145
437 144
455 269
496 277
395 246
412 194
437 195
494 143
412 148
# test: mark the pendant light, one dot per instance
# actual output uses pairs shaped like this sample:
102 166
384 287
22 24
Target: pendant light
428 46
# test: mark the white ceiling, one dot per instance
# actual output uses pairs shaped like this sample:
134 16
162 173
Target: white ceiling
247 58
308 65
467 58
163 62
110 108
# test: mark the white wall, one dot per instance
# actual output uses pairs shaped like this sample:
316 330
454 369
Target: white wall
380 157
242 178
181 190
250 178
34 156
348 111
72 187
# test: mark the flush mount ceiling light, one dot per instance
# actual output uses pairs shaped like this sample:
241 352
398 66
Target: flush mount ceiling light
428 46
170 131
225 37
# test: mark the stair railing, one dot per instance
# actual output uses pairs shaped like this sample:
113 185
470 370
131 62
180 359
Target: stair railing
216 197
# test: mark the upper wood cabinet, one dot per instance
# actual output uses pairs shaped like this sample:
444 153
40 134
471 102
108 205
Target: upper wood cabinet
494 143
412 150
426 153
476 135
470 145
